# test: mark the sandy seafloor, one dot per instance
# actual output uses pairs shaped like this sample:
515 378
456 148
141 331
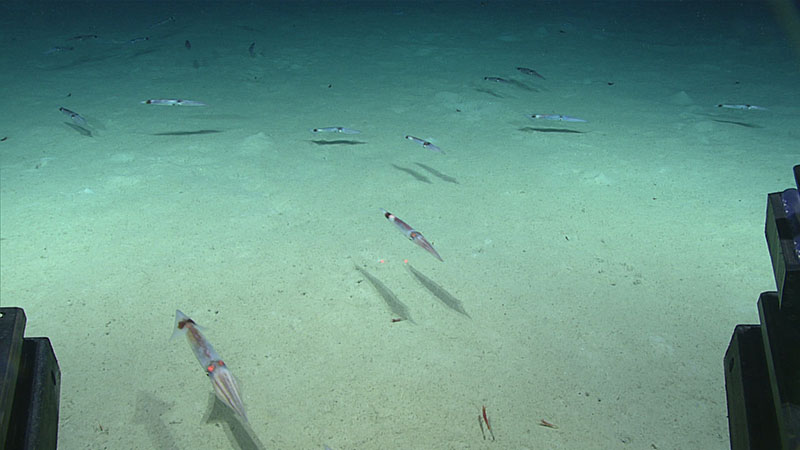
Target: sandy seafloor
603 265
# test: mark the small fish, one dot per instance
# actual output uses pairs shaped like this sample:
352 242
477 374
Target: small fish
425 144
252 50
335 130
188 45
163 22
531 72
225 386
497 79
414 235
560 117
77 118
171 102
748 107
83 37
139 39
58 49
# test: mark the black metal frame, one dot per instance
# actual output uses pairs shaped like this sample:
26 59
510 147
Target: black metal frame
30 385
762 363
